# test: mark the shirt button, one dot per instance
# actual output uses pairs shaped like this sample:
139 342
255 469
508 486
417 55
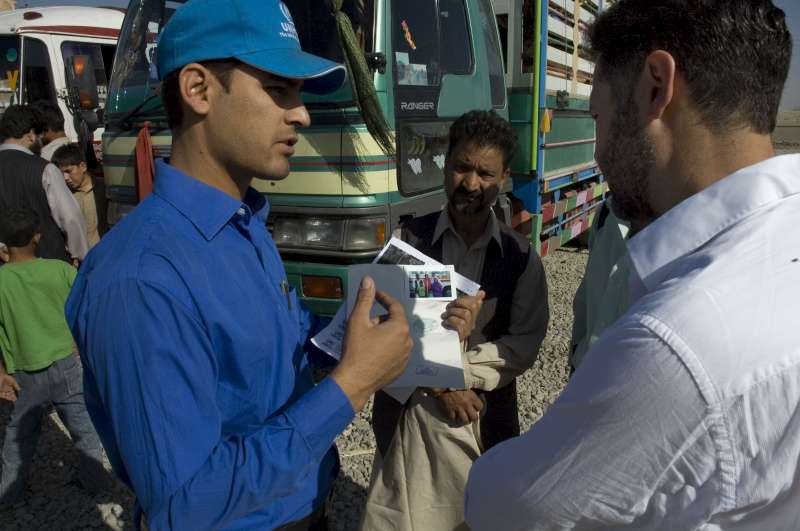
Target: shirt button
240 211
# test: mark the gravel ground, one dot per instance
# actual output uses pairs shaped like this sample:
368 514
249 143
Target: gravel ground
54 502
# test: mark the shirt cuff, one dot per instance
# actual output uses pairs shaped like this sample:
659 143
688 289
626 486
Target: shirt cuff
321 415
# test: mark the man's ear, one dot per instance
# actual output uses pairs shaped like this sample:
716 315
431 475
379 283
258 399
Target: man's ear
197 85
506 173
657 84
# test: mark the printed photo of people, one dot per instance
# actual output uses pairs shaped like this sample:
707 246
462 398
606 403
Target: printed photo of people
433 284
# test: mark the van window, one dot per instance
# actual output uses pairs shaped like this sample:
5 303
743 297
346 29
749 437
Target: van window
37 75
9 70
99 57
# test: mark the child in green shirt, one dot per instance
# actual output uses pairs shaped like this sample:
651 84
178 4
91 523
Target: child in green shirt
39 364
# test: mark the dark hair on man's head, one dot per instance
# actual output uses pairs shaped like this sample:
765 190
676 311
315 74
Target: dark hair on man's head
171 91
68 155
484 129
18 226
19 120
50 115
733 54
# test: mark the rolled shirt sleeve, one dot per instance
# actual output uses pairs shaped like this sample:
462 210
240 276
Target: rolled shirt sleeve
629 432
491 365
163 373
66 212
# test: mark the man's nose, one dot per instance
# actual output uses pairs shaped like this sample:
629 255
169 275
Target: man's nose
298 116
472 182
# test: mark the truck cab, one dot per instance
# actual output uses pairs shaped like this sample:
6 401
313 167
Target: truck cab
36 45
430 61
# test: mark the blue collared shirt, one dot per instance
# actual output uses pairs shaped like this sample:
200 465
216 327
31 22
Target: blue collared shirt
194 370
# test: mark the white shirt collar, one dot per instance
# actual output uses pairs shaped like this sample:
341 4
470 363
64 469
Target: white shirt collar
695 221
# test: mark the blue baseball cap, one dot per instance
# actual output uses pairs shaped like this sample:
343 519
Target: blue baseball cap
260 33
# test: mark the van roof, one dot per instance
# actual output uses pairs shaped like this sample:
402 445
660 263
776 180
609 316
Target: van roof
94 21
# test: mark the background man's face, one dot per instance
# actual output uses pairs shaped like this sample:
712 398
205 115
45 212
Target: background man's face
473 177
623 151
74 175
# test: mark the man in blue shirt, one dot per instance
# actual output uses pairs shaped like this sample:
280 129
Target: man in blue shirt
191 339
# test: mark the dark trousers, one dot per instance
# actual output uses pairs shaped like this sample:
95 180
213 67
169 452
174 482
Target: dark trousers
60 384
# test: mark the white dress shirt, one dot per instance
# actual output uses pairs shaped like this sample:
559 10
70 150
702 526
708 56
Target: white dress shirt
63 207
685 414
52 146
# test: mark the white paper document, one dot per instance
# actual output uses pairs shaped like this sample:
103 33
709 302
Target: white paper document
424 292
395 252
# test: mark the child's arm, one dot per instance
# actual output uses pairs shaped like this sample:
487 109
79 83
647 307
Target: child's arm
9 388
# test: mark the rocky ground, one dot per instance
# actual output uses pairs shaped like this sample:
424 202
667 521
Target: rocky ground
54 502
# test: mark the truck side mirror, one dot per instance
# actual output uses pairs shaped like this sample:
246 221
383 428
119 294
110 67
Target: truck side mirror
81 83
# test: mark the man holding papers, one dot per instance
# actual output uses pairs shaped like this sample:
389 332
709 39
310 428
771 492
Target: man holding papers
427 444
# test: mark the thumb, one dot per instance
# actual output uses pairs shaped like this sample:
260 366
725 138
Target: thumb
364 301
14 384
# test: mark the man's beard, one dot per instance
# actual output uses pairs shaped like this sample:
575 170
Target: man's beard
471 203
627 162
36 147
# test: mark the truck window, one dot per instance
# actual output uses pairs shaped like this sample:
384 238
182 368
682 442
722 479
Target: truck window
316 26
95 52
37 76
422 149
528 38
416 43
456 59
9 70
494 54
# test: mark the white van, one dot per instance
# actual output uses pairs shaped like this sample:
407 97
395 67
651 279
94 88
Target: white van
37 43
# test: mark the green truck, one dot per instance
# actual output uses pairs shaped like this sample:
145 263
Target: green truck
429 62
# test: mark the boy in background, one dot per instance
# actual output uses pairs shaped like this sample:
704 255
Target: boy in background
71 162
39 364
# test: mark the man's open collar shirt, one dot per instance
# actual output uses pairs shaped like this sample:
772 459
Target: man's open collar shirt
685 414
195 373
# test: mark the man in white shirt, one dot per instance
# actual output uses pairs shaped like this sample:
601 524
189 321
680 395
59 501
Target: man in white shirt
685 414
27 181
53 134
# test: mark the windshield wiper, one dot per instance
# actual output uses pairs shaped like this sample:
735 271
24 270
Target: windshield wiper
125 119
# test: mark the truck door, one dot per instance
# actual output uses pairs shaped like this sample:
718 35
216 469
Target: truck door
441 67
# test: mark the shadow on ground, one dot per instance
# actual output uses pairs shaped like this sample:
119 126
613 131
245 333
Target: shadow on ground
54 498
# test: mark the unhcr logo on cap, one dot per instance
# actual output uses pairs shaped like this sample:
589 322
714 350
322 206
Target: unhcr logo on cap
289 31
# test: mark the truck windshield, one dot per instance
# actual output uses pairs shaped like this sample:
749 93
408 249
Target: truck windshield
134 79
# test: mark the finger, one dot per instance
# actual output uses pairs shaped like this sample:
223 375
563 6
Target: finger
455 323
366 296
15 385
481 295
463 313
474 415
392 305
463 415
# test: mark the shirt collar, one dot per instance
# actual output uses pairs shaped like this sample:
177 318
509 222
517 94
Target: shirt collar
492 230
697 220
206 207
16 147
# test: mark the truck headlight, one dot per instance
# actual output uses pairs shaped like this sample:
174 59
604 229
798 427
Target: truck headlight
363 234
358 234
317 233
